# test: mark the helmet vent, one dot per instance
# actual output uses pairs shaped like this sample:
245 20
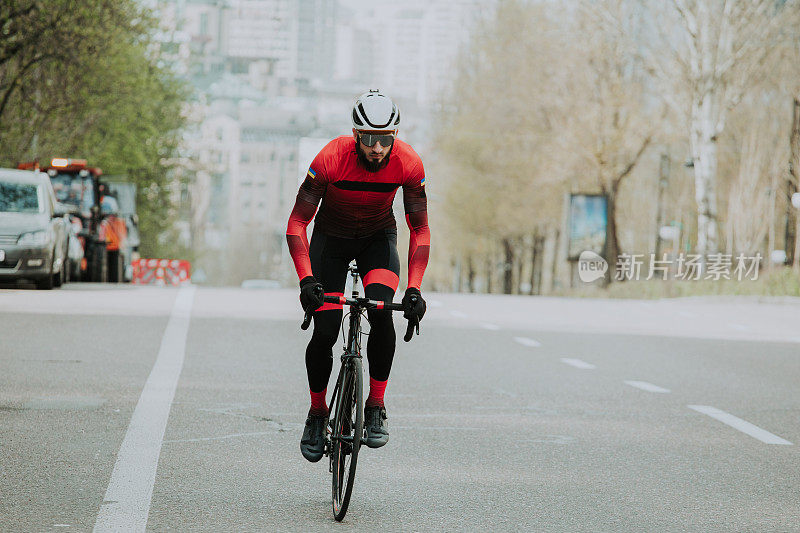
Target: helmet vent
356 119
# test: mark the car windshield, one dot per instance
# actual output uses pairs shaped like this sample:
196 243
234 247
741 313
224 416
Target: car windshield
21 198
73 190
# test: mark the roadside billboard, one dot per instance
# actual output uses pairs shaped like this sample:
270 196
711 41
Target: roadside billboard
588 219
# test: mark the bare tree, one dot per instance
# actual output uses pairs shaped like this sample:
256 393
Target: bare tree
612 122
757 150
499 122
722 50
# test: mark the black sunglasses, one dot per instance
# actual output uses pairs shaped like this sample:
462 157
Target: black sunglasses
369 139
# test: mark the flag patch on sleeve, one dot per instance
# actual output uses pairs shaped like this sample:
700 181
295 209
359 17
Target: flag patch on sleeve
311 174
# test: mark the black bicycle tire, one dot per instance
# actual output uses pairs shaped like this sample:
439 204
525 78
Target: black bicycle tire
339 496
351 385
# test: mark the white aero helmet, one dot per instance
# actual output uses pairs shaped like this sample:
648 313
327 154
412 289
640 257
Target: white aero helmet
374 110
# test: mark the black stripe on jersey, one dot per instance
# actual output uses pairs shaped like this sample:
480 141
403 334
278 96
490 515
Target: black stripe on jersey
370 186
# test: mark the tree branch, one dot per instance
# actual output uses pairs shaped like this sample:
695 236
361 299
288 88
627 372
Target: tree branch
627 170
15 82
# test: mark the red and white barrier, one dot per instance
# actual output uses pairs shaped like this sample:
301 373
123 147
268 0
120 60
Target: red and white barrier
161 272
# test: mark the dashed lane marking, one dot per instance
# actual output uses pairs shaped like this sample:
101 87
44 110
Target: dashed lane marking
577 363
127 501
490 327
742 425
458 314
525 341
649 387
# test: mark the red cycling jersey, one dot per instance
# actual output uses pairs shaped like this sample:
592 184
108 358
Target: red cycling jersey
357 203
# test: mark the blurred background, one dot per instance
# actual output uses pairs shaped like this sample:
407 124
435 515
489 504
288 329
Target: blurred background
547 128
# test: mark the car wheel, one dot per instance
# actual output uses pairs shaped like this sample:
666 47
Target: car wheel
46 283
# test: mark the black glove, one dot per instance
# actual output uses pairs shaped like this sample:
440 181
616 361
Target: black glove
413 310
311 294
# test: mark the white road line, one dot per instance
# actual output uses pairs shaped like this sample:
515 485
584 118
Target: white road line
525 341
458 314
742 425
490 327
577 363
127 501
649 387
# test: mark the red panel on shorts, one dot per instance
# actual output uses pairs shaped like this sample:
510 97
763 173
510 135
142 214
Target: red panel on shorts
382 276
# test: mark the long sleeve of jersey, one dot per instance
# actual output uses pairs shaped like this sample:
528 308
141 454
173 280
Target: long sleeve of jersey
416 207
305 207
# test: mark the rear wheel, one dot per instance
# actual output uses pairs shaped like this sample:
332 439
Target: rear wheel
99 264
115 273
348 428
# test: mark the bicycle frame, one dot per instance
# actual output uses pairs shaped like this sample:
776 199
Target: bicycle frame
351 350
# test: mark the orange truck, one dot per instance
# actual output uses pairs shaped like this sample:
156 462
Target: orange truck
94 211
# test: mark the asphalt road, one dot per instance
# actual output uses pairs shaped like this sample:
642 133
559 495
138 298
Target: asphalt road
506 414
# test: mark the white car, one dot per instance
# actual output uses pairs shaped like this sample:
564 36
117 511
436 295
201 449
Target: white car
33 230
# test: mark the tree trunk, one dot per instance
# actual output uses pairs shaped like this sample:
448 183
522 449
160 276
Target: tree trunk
533 266
538 263
663 183
508 267
489 272
771 232
519 264
556 256
470 274
612 242
792 182
704 154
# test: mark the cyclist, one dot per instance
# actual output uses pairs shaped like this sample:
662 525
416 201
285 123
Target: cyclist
357 178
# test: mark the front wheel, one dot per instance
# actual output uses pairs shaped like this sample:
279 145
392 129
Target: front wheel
348 428
46 283
58 277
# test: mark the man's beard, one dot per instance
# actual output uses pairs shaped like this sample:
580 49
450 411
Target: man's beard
372 166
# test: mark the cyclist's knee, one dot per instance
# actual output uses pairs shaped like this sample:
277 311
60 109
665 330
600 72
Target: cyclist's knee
324 338
380 319
326 328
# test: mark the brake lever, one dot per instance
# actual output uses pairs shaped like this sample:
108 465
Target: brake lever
412 325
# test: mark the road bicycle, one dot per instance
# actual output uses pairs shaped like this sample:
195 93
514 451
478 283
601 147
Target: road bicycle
345 424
